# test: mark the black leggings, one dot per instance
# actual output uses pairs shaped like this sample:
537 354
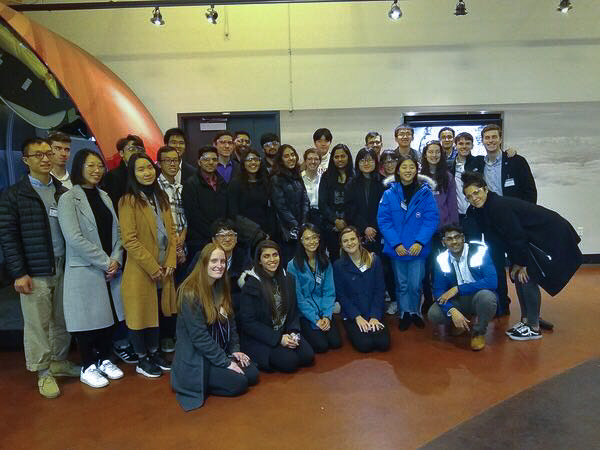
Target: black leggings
321 341
145 340
290 359
227 383
367 342
93 345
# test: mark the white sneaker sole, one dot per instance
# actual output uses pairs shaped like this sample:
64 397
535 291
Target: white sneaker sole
98 386
524 338
112 377
141 371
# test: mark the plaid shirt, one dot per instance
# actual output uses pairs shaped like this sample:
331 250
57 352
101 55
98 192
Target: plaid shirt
173 190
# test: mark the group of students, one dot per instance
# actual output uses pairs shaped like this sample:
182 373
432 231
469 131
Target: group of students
241 262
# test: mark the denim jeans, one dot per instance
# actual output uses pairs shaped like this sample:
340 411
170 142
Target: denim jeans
409 277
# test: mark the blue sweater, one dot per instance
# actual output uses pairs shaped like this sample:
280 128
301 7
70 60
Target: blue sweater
406 224
481 268
359 293
315 293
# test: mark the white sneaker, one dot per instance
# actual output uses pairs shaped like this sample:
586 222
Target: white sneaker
108 369
337 308
92 377
392 308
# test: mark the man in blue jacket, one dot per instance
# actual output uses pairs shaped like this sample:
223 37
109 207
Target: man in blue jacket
465 283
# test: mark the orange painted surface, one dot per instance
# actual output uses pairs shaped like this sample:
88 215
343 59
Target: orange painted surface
109 108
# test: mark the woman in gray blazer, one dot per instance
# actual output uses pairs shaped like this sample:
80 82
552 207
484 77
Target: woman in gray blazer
207 353
94 255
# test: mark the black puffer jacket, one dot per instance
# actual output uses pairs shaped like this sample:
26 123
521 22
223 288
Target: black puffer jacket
290 201
26 238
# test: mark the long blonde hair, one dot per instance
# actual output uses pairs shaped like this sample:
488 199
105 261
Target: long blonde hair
197 290
366 257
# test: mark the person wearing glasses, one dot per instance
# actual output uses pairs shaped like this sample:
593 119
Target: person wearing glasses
227 166
270 144
361 199
61 146
175 138
404 134
464 286
241 142
94 257
311 179
249 195
315 291
374 141
204 198
34 254
542 247
114 182
388 161
169 163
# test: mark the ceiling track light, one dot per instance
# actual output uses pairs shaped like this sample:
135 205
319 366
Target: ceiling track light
461 8
395 12
212 15
157 18
564 6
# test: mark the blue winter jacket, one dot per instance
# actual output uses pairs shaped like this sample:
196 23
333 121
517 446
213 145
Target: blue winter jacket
315 293
481 268
359 293
407 224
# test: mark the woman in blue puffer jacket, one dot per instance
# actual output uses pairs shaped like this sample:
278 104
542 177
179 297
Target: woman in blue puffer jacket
408 217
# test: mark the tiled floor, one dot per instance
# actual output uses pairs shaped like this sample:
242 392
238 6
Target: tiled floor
421 388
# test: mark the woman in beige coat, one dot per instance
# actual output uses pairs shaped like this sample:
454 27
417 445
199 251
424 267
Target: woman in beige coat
148 235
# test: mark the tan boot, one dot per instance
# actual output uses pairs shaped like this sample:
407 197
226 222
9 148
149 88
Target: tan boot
47 386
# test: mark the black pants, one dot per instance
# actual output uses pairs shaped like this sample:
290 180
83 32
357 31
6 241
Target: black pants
290 359
497 253
332 242
367 342
145 340
389 277
288 249
227 383
436 249
319 340
167 325
94 345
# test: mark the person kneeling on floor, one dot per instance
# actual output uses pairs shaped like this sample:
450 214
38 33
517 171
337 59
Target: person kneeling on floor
465 283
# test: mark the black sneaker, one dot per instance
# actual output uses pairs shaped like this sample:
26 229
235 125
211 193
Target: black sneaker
417 321
404 322
148 368
525 333
161 362
126 354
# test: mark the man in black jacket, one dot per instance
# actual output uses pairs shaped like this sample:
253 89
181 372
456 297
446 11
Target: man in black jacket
34 251
175 137
204 198
115 181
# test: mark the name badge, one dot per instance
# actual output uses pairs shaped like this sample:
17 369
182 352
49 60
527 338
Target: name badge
509 182
53 212
318 279
403 205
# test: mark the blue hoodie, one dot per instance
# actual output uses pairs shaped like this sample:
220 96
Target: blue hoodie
407 224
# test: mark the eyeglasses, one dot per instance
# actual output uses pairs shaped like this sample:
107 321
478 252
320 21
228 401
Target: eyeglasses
209 159
40 155
476 193
454 237
271 144
252 159
242 141
404 134
366 160
390 161
94 167
135 148
226 234
170 161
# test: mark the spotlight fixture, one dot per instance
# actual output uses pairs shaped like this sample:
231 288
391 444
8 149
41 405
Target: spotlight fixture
212 15
564 6
395 11
461 8
157 18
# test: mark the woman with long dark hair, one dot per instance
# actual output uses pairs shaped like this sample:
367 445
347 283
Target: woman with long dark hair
360 289
94 255
208 358
407 218
331 197
249 194
434 166
269 316
362 196
289 197
148 288
315 290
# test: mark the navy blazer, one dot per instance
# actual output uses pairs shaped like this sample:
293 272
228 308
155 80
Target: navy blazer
517 179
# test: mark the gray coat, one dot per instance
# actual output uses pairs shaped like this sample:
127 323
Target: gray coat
85 295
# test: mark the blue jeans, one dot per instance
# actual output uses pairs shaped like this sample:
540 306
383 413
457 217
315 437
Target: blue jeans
409 278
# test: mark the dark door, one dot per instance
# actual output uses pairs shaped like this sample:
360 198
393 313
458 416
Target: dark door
201 128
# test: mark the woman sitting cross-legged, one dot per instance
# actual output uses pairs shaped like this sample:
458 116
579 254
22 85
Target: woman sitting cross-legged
315 290
269 317
360 289
207 353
